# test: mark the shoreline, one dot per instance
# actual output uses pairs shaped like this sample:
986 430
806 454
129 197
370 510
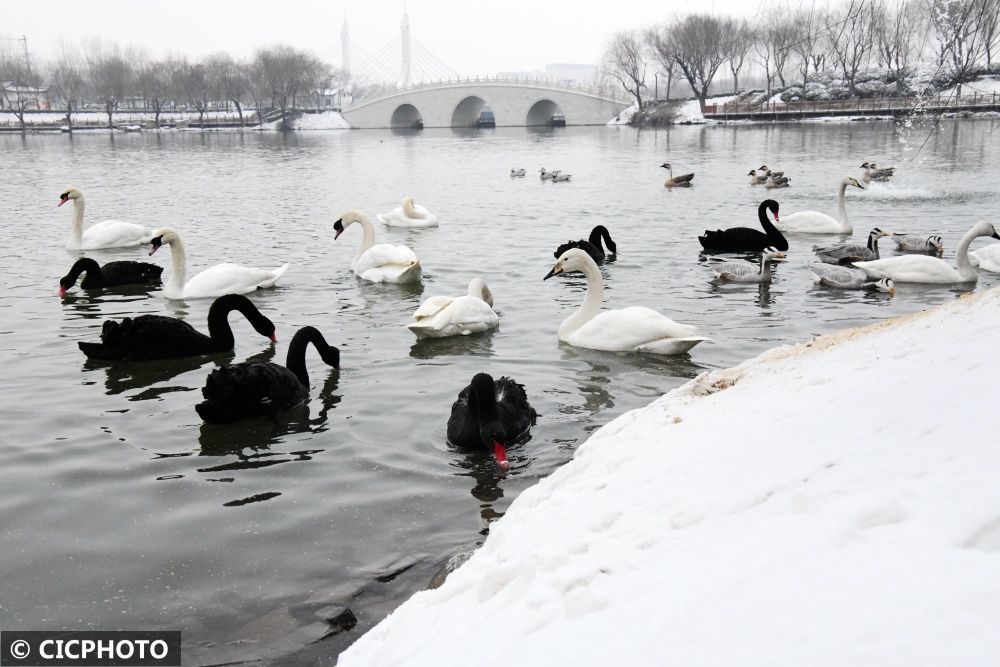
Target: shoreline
843 512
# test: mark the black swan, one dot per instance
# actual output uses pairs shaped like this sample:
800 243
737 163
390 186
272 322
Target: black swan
490 415
157 337
593 246
109 275
745 239
262 388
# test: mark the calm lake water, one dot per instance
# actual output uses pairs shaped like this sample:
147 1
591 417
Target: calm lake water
120 510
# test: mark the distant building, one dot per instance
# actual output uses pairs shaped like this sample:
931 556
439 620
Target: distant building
10 94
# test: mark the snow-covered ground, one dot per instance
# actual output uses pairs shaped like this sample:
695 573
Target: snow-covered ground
328 120
984 85
828 503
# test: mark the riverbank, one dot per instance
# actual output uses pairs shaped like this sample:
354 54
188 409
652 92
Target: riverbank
214 121
827 503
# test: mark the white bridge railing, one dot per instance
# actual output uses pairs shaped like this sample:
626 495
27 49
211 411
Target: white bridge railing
609 92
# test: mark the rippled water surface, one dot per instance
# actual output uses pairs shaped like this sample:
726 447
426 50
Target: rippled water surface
121 510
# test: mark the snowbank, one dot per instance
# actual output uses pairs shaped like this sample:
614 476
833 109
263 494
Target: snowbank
829 503
328 120
690 112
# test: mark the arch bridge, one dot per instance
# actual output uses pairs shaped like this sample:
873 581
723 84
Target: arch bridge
514 103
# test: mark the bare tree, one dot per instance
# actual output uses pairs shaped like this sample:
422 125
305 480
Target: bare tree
738 38
109 75
658 41
965 33
19 83
155 79
764 52
194 84
259 92
228 80
68 81
896 23
288 72
808 45
782 31
625 62
852 38
698 46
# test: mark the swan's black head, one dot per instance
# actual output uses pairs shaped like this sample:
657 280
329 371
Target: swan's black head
63 198
483 388
155 244
338 228
771 206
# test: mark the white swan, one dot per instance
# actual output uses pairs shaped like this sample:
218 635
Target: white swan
382 263
814 222
107 234
409 215
216 281
927 269
442 316
987 259
634 329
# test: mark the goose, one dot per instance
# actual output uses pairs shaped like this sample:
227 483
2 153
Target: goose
561 178
149 337
592 246
215 281
916 243
546 175
873 173
409 214
776 174
745 239
516 172
442 316
845 277
490 415
777 182
682 181
814 222
755 179
986 259
382 263
927 269
262 388
635 329
747 272
111 274
846 253
107 234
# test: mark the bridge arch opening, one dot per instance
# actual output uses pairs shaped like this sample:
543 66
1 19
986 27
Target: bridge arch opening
467 113
406 116
542 113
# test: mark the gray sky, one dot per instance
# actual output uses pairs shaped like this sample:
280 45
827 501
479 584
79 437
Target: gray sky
472 37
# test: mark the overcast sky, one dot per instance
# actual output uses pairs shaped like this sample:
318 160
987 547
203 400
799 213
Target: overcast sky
471 37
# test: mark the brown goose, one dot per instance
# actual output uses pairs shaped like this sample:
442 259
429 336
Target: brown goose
682 181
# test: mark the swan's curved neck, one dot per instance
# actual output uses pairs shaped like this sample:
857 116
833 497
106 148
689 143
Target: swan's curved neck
591 303
82 265
178 268
76 234
296 359
845 225
410 211
966 271
219 329
368 240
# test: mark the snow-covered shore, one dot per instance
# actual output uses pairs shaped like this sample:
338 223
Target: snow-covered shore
828 503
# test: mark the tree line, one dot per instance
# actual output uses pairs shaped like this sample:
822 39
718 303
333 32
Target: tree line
275 78
957 38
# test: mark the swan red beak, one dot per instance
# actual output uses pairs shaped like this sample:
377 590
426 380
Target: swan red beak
501 454
62 291
274 338
61 202
153 249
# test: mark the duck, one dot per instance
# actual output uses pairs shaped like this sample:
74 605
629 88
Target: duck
873 173
442 316
682 181
755 179
747 272
107 234
814 222
592 245
635 329
745 239
382 263
927 269
777 182
846 253
409 214
215 281
916 243
263 388
561 178
764 168
517 172
986 259
111 274
490 415
148 337
845 277
546 175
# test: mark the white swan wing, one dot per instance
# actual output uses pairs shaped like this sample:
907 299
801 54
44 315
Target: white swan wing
114 234
808 222
987 259
386 263
911 269
628 329
229 278
398 218
460 317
